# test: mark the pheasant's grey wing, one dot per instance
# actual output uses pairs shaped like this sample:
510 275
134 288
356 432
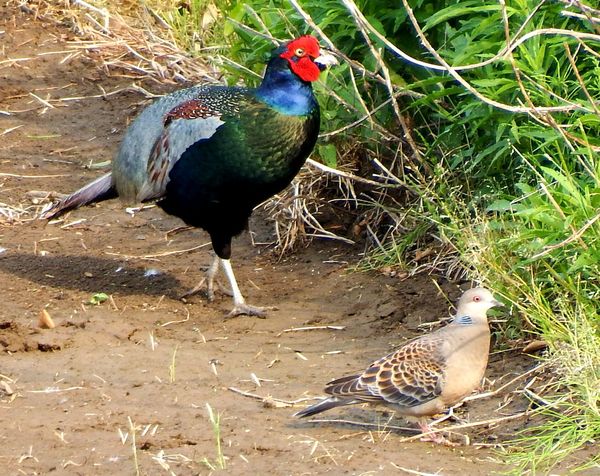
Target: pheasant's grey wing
163 131
411 376
184 125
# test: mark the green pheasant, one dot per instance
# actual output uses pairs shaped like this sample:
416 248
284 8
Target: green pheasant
210 154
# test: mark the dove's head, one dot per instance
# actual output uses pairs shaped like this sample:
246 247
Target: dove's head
475 302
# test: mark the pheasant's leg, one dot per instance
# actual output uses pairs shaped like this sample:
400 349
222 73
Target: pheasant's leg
209 279
212 271
239 303
432 436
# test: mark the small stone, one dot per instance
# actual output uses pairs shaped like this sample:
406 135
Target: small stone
45 321
6 388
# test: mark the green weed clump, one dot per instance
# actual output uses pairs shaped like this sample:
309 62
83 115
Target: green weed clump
541 252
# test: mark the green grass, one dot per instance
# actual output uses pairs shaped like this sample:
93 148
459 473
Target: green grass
529 253
572 416
219 462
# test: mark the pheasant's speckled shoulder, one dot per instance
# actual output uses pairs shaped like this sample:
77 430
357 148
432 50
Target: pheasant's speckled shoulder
201 102
222 99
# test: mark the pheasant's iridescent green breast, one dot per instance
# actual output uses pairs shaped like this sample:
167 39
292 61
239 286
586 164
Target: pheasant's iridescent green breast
255 152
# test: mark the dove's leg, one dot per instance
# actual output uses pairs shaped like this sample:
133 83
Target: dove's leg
430 435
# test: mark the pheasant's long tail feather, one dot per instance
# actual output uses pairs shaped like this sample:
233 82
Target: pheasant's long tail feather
96 191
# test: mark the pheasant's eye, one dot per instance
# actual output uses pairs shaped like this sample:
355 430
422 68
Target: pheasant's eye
298 52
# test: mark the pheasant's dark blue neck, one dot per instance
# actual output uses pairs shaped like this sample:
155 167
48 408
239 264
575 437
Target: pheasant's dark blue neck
284 91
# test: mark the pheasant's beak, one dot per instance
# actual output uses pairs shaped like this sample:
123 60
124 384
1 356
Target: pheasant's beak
324 60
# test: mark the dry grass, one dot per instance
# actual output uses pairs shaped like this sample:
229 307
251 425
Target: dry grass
137 46
295 211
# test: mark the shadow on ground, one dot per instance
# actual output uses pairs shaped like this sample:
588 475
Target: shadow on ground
90 274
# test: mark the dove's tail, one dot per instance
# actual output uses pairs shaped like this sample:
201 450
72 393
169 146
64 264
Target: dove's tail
324 405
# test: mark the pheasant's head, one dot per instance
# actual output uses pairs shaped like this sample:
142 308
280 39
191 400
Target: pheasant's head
305 58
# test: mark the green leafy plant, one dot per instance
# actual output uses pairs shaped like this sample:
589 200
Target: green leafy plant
98 299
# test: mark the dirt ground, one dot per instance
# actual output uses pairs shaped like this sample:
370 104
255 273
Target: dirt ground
126 383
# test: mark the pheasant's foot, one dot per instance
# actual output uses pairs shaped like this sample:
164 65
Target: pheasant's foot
239 303
224 289
201 287
206 284
248 310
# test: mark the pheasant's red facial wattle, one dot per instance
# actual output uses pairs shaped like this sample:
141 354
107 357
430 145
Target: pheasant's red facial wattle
300 54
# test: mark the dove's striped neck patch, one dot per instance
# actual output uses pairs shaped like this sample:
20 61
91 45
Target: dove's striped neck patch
464 320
